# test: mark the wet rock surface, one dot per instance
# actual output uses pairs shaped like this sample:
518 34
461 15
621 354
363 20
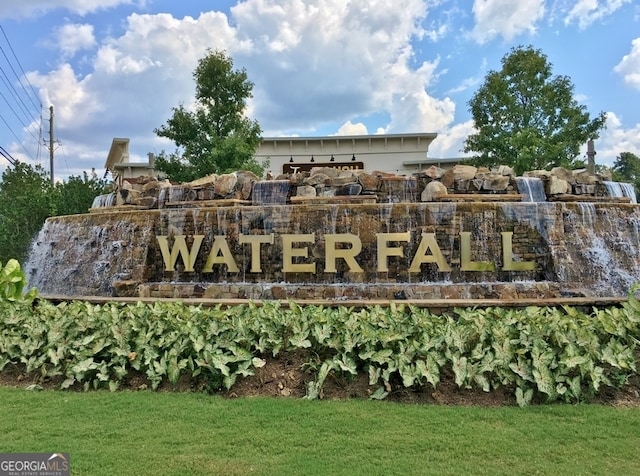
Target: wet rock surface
538 186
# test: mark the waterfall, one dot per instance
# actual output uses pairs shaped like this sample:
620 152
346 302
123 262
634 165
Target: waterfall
621 189
588 213
163 196
531 188
106 200
270 192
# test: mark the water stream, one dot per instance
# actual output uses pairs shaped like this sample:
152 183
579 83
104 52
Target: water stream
621 189
531 188
579 248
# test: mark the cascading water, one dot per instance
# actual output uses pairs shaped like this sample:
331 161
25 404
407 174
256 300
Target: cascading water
106 200
270 192
621 189
163 195
531 188
192 245
592 248
397 189
588 212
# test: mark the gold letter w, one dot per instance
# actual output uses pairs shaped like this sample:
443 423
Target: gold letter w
179 249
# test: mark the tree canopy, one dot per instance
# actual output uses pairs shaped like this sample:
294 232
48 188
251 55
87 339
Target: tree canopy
626 168
527 118
214 136
27 199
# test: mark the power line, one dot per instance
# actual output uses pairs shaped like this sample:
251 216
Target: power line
15 114
37 106
14 135
7 156
23 109
20 65
18 100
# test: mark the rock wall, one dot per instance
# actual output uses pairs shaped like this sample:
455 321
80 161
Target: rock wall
426 186
344 250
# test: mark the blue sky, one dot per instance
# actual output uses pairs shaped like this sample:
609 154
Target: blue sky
115 68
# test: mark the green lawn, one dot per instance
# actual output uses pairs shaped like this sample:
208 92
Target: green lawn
127 433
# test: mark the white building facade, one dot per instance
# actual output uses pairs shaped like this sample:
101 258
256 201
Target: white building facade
401 154
395 153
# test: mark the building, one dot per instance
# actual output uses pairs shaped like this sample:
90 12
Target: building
120 167
397 153
402 154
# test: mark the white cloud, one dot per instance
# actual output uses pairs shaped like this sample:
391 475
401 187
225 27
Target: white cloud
25 8
329 60
133 82
629 66
71 97
314 63
585 12
350 129
72 38
466 84
505 18
450 141
616 139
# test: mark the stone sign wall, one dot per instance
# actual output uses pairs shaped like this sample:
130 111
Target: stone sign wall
338 251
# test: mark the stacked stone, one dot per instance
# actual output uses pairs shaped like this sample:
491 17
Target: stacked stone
558 182
429 185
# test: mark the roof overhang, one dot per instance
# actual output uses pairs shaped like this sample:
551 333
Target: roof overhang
118 153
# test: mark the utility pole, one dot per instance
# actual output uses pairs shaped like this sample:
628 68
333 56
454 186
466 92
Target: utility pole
591 157
51 143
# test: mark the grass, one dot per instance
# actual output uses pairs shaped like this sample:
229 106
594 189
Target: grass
147 433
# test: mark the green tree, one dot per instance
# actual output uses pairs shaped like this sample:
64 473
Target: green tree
77 193
215 137
25 203
526 118
626 168
27 199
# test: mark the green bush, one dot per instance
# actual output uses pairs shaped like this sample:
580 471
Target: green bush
542 353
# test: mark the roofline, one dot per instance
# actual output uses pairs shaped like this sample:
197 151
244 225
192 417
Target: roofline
111 157
425 135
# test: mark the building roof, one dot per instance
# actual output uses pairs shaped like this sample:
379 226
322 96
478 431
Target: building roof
118 153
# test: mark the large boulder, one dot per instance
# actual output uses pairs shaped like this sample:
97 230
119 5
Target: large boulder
434 172
208 180
464 172
433 190
126 196
369 182
340 181
328 171
459 177
556 186
504 170
153 187
245 183
562 173
349 189
582 176
317 179
225 184
496 182
306 191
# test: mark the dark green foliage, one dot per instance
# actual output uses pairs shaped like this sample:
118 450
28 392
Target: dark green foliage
541 354
25 203
528 119
77 193
215 137
27 199
626 168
